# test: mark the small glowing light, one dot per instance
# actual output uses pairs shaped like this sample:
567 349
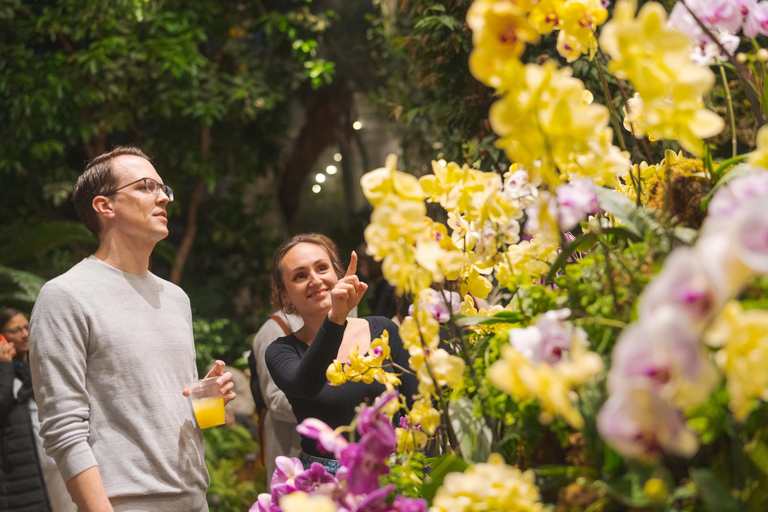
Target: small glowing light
331 169
316 189
357 125
337 157
442 162
320 178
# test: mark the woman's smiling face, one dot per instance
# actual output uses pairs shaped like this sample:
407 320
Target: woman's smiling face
309 277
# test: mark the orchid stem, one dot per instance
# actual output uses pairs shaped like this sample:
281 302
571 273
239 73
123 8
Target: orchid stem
729 101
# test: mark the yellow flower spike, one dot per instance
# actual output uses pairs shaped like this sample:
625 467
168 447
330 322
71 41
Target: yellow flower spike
408 441
742 337
493 487
335 373
759 156
423 414
545 15
500 31
476 285
655 58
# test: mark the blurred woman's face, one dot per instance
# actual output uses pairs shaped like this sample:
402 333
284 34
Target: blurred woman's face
309 277
16 331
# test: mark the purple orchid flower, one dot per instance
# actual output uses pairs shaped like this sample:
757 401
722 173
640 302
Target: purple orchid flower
375 500
404 504
312 478
366 460
371 417
327 439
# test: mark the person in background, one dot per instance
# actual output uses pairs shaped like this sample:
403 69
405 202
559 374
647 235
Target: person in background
29 479
277 419
111 350
307 276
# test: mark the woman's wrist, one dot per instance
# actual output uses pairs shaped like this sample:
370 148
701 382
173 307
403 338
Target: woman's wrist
337 319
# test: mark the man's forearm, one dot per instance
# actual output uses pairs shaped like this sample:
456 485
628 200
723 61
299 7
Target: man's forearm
87 491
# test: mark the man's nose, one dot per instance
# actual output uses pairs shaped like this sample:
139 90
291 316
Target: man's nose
162 198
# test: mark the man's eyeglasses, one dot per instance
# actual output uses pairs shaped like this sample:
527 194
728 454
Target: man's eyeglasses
152 186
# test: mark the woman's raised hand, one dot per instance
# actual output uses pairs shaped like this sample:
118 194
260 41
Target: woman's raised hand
347 293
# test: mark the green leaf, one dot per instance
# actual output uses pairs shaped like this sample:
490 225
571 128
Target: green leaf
623 209
582 243
441 467
713 493
502 317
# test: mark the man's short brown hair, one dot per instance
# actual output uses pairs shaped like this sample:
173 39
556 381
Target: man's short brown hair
98 179
278 286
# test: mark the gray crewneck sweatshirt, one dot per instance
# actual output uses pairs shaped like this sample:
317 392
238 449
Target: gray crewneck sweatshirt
110 353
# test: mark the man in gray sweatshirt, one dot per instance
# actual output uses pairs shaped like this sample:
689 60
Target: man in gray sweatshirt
111 349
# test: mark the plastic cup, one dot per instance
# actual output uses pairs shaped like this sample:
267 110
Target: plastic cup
207 402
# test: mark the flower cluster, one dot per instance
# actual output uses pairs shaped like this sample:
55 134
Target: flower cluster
435 367
489 487
355 487
546 361
501 30
548 124
655 58
741 338
365 368
400 233
725 19
660 364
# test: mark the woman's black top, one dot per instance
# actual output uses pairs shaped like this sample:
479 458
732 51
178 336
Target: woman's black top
299 370
22 487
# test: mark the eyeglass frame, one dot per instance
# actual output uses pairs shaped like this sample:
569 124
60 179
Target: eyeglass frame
168 191
17 330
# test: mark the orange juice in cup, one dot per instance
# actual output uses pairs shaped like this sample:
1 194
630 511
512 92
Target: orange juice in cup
207 402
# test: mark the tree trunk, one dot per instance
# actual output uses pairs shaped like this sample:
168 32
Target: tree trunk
325 120
190 229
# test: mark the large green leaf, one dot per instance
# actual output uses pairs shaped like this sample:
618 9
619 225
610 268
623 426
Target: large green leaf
713 493
582 243
24 243
19 288
441 466
503 317
623 209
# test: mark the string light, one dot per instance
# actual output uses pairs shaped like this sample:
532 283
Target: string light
357 125
337 157
320 178
331 169
316 189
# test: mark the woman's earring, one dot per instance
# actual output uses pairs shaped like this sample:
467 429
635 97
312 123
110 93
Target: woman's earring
289 309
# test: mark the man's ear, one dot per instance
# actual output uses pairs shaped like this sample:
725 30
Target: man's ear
103 206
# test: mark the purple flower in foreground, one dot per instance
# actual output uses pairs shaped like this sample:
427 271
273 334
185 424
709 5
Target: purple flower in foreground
403 504
327 438
374 502
663 354
372 417
366 460
287 469
575 202
685 285
264 504
729 199
640 425
313 478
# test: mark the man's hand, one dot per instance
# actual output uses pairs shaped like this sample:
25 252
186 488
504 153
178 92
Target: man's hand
7 352
347 293
225 381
